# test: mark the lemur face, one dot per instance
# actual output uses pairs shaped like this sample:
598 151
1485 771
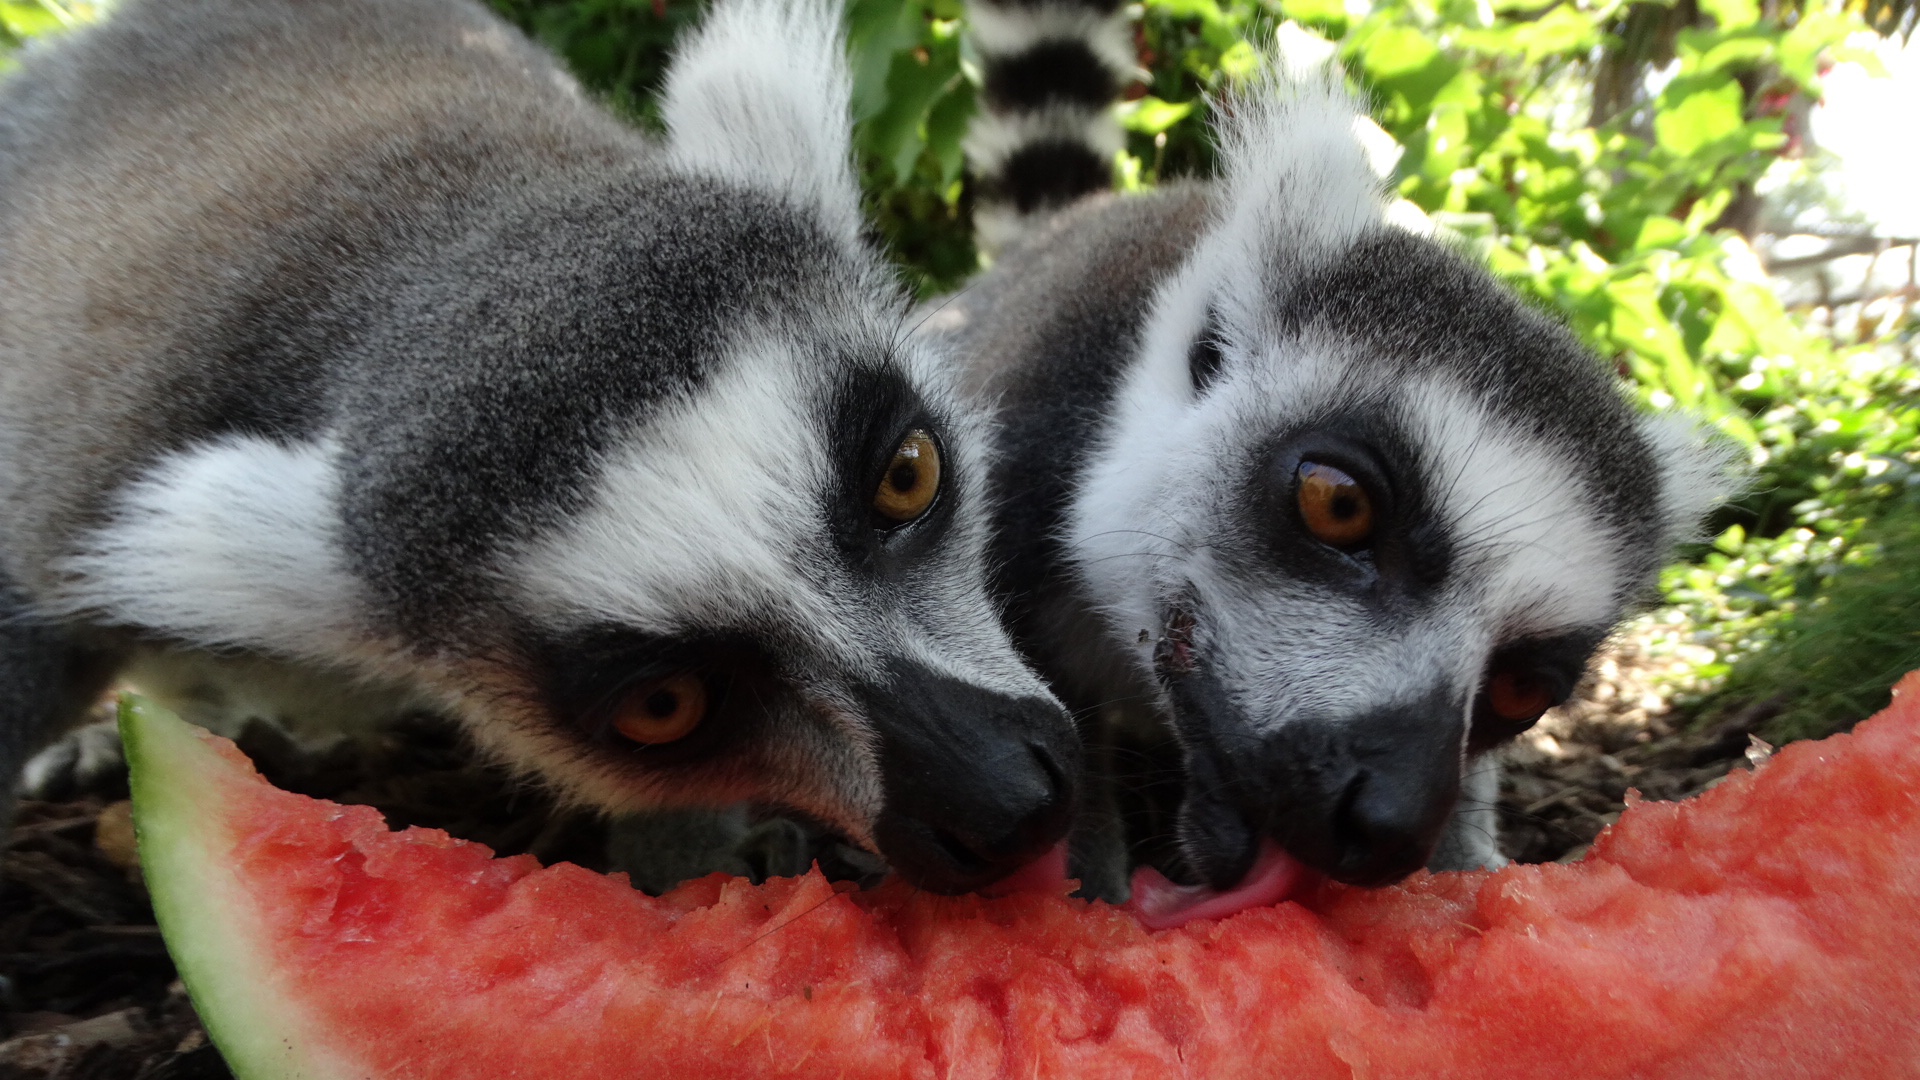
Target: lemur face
767 584
1361 528
816 637
608 447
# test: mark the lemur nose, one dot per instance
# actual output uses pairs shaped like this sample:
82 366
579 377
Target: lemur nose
977 783
1360 798
958 842
1000 851
1384 827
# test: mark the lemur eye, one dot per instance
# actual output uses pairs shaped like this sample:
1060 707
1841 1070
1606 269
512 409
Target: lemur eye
1518 697
662 710
912 478
1203 356
1335 507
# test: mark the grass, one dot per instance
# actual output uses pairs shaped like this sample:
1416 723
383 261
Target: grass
1832 661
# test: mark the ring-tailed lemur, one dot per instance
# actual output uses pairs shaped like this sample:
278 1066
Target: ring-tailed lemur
347 349
1308 511
1046 134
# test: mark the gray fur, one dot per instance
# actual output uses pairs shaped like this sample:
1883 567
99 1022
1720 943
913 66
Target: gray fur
347 349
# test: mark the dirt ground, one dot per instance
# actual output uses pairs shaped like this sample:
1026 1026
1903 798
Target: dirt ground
89 993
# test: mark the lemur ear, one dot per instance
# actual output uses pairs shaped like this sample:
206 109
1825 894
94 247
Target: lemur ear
1297 185
760 96
1699 470
1295 164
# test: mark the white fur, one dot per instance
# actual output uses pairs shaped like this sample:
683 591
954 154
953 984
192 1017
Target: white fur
314 704
1298 185
706 515
226 544
759 96
1006 31
993 138
1146 525
1540 559
713 515
1700 470
995 225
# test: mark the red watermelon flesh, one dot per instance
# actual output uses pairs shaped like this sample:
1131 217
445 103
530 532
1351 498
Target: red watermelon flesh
1768 928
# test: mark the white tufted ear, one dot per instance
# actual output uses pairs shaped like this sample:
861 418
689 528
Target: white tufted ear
1699 470
760 96
1299 185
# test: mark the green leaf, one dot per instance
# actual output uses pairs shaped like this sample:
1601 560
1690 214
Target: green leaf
877 30
915 80
1151 116
1818 30
1658 354
1396 52
1701 118
1741 51
1660 231
1562 30
1732 14
29 19
946 126
1240 60
1205 10
1328 13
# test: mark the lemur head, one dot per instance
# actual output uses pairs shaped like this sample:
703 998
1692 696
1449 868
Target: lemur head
643 481
1362 514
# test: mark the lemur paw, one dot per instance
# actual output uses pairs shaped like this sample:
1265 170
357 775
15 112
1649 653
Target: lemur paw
86 761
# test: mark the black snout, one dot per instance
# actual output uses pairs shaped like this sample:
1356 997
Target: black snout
977 783
1390 816
1363 799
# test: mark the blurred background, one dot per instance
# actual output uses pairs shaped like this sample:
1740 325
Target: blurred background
1721 196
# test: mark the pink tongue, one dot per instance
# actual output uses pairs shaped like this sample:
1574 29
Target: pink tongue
1046 874
1159 904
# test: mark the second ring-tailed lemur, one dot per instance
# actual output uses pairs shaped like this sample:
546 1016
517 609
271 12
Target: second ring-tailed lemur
349 354
1305 509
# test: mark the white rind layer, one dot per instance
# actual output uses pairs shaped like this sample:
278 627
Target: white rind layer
209 921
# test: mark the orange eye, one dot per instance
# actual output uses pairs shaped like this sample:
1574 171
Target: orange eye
662 710
1517 696
1334 505
911 480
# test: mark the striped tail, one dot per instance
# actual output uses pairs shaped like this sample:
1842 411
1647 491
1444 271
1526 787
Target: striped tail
1045 134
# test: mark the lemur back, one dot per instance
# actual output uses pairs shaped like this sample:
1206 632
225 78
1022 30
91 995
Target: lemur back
1304 514
347 339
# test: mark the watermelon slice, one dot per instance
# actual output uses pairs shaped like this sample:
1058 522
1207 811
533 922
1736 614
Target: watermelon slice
1769 928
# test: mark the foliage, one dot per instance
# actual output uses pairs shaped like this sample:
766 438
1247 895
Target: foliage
911 102
618 48
1831 665
24 19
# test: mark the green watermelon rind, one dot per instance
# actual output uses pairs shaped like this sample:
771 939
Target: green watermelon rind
203 911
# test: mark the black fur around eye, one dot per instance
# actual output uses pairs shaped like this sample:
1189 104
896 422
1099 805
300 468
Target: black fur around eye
669 700
1203 356
1523 681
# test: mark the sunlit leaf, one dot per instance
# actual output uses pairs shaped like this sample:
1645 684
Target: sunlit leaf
1701 118
1151 116
1732 14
